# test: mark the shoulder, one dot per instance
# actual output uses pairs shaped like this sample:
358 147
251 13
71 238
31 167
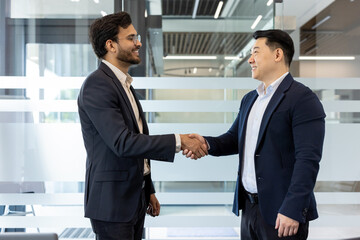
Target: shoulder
248 98
305 100
98 85
298 90
98 77
250 95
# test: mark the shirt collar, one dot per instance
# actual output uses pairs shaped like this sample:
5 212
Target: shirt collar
272 87
123 77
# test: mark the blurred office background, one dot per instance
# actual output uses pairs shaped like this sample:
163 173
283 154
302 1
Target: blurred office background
193 74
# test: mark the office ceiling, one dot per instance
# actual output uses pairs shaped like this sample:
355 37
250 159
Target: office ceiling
188 34
203 8
200 43
339 35
189 28
207 43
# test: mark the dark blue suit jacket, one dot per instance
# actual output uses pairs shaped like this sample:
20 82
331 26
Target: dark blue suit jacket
115 148
288 151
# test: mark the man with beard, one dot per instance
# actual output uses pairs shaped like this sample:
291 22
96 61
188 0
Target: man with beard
118 185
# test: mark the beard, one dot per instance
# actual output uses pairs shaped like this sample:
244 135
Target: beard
128 57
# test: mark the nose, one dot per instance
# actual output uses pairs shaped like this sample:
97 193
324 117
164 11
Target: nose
251 59
138 43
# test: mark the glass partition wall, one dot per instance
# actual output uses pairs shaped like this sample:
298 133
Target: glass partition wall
193 74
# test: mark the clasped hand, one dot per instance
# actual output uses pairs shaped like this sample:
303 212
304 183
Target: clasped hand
193 145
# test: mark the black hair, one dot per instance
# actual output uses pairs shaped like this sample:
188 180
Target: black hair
107 28
276 38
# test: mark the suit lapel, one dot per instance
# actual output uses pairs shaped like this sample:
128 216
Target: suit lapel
121 89
141 113
274 102
244 117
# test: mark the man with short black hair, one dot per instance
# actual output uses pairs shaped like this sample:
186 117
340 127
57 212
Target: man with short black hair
279 135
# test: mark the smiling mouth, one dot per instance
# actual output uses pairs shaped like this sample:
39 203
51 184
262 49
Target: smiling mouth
136 52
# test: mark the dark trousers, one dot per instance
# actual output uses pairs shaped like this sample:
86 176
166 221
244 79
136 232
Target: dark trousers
132 230
254 227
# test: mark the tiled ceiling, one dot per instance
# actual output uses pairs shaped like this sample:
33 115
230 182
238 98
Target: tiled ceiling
215 43
199 43
340 35
206 8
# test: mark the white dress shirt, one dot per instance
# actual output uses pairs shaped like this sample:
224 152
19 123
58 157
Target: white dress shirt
252 133
126 80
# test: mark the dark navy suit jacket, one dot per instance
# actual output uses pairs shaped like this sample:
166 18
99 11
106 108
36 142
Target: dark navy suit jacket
287 154
115 148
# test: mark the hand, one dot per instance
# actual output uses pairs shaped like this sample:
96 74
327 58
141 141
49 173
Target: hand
188 153
154 206
197 148
286 226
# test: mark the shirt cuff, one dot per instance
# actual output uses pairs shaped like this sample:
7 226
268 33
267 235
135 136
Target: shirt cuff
178 143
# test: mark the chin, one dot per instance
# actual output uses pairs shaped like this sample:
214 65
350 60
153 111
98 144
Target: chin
136 61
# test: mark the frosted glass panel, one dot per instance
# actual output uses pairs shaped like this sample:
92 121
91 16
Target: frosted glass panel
33 150
55 152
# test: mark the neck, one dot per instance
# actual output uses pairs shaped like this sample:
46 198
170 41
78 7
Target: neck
124 67
275 76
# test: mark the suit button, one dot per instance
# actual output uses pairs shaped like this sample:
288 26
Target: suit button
305 212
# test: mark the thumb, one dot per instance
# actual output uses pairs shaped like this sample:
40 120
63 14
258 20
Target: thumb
192 135
197 136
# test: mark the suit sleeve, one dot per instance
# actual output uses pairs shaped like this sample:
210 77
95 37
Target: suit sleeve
227 143
99 100
308 124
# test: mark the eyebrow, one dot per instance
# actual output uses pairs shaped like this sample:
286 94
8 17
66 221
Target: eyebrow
254 49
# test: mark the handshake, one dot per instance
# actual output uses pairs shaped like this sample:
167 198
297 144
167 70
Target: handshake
193 146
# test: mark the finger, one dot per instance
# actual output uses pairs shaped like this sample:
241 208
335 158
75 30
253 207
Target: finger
296 230
197 136
203 154
189 154
200 138
281 230
198 154
205 148
158 209
286 231
291 231
149 209
193 157
155 212
185 151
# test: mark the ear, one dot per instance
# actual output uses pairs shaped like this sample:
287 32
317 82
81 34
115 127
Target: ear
279 55
110 46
